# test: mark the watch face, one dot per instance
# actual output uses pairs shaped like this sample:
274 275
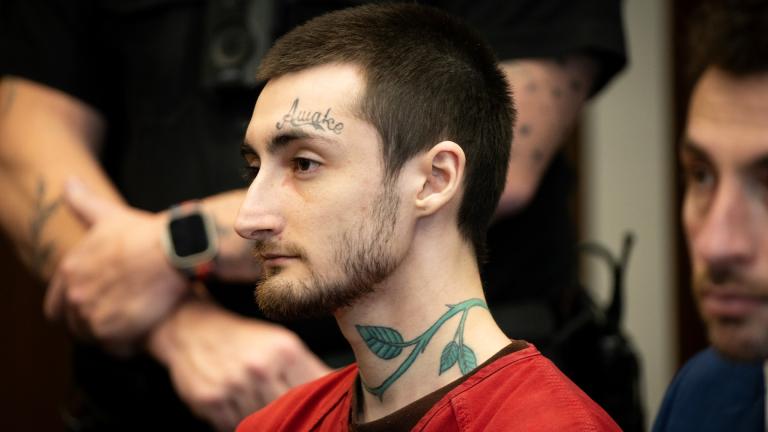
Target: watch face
188 235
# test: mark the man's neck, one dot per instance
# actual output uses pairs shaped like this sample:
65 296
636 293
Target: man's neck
425 326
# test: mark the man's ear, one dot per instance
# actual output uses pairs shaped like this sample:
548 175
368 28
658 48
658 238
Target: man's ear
443 170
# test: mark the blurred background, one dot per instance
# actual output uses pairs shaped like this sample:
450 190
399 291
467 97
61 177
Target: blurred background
629 183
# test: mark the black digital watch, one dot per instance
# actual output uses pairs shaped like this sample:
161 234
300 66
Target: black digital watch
190 240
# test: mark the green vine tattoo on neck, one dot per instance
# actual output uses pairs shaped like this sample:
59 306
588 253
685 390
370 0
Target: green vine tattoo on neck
387 343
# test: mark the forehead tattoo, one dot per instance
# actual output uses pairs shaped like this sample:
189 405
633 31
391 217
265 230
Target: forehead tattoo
317 119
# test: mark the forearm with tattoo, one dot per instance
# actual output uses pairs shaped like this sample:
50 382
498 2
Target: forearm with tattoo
41 251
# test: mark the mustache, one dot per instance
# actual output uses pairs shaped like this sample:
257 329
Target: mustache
729 280
264 247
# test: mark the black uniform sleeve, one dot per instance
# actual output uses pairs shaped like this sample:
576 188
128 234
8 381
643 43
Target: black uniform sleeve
550 28
52 42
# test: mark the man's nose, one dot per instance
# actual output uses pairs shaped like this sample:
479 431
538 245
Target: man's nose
726 237
259 217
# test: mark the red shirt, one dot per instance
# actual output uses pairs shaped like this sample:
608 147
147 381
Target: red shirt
519 391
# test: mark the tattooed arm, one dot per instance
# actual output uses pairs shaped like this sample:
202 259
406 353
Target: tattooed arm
45 136
117 280
111 280
549 95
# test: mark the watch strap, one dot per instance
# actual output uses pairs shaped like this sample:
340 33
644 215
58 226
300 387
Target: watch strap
200 272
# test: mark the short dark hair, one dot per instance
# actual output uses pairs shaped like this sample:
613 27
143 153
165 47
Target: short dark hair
428 78
731 35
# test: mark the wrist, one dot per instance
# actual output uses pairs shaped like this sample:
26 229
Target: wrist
166 338
160 341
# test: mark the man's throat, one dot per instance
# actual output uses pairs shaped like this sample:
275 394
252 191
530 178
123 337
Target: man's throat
387 344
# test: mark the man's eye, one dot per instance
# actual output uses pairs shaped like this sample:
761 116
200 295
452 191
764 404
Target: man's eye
250 173
698 175
759 179
304 165
761 176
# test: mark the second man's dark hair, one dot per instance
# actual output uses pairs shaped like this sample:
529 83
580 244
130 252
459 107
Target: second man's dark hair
731 35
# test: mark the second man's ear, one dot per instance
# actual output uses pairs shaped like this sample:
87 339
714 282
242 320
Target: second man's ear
443 170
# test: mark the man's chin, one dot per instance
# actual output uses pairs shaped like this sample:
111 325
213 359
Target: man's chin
281 298
737 341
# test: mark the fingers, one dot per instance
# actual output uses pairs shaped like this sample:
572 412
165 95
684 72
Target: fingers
53 304
70 302
257 389
224 407
222 416
250 401
68 297
88 206
305 369
78 326
76 307
230 418
271 389
257 394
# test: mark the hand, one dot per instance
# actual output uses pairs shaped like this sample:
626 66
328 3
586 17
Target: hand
225 366
116 284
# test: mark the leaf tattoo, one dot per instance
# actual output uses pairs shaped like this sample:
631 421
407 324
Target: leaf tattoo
387 343
467 360
449 357
458 352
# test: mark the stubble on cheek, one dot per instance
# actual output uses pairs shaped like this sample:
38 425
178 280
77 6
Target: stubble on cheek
740 338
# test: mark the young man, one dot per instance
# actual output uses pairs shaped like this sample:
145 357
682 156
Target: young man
378 151
724 157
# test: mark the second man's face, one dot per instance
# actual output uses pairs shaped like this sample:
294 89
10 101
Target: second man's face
725 210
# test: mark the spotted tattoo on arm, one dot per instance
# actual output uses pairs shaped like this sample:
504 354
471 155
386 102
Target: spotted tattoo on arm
322 121
525 130
41 251
537 155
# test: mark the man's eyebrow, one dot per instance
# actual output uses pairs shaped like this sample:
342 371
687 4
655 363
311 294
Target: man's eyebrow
282 139
759 163
690 148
